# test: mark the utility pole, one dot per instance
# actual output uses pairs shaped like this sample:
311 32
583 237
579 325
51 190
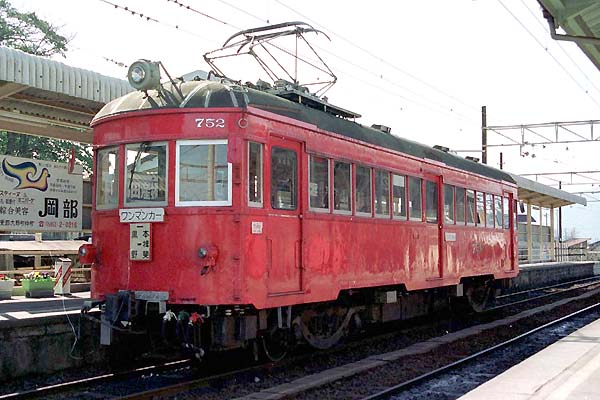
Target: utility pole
559 217
501 161
484 135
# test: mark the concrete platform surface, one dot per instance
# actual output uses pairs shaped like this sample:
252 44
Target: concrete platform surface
568 369
21 307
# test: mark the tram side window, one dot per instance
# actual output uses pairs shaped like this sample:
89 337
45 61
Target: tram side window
146 174
498 210
431 199
107 183
284 179
363 190
319 183
489 210
399 196
470 207
480 208
342 184
255 175
203 173
506 220
415 200
382 193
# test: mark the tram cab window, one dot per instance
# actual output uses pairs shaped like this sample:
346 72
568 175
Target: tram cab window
399 196
480 209
107 183
203 175
363 190
470 207
489 210
431 200
415 200
498 210
382 193
146 174
255 174
460 206
342 187
284 179
318 186
448 204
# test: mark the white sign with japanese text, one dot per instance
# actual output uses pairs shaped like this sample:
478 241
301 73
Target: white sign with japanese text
140 242
135 215
37 195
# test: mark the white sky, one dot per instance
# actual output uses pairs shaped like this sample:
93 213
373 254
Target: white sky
437 63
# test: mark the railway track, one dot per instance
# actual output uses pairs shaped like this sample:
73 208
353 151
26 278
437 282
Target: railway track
524 296
427 380
85 383
160 381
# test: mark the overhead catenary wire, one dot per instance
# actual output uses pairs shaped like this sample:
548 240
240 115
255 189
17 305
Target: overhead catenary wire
188 7
561 47
148 18
382 60
549 53
447 111
266 21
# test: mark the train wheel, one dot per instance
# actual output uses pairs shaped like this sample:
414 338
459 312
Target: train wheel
275 343
324 329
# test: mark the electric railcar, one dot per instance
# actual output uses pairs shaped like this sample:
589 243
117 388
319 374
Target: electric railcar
228 216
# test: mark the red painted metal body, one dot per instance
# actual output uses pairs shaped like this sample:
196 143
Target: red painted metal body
299 256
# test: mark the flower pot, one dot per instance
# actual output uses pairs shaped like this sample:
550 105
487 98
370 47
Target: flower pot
6 288
38 287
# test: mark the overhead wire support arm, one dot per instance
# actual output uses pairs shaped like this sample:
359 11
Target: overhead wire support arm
558 128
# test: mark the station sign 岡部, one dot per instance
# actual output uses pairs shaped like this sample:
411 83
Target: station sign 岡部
37 195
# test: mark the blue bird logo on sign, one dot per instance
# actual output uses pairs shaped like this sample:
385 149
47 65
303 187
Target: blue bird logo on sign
25 173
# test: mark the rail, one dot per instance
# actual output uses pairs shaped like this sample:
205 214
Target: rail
389 392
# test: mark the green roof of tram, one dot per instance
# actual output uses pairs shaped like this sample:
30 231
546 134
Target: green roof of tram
211 94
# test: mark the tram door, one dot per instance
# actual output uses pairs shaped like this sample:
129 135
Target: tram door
510 221
284 241
433 227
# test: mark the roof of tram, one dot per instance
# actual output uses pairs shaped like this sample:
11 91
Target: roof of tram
42 97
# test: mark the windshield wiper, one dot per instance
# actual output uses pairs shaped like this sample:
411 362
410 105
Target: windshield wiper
142 149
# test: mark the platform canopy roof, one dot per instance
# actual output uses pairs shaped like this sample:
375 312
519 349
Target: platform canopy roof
580 19
42 97
543 195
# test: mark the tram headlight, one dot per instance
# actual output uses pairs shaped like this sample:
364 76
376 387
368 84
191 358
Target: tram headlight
144 75
137 74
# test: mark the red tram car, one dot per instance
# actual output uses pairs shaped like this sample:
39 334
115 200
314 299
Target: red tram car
226 215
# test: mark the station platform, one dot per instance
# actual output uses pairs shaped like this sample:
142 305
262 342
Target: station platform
567 369
21 307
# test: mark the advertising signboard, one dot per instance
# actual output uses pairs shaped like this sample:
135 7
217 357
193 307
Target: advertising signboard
37 195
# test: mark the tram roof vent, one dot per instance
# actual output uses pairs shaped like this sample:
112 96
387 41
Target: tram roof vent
474 159
441 148
382 128
197 75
